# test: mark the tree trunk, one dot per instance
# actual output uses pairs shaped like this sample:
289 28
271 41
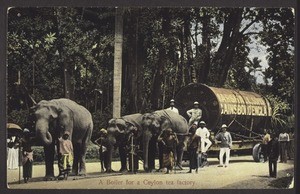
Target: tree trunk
162 60
118 63
205 67
182 60
189 51
133 64
67 74
141 60
225 53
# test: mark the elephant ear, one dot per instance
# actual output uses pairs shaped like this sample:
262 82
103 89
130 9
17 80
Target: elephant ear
146 116
164 122
164 119
112 122
38 105
54 110
128 124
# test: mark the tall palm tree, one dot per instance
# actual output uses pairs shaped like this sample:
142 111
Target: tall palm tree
117 83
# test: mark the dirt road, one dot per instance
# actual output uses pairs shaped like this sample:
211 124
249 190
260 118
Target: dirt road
242 173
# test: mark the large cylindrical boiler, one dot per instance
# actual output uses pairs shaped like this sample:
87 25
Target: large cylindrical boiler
246 113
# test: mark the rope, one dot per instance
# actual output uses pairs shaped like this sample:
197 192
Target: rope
247 128
237 105
244 136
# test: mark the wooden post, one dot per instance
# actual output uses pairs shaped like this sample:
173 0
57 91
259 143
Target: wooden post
20 162
117 81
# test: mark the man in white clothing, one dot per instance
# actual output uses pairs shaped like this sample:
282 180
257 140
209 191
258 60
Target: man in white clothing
225 145
203 132
195 113
172 106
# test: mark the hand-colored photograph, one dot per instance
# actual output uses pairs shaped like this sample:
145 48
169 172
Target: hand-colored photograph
150 98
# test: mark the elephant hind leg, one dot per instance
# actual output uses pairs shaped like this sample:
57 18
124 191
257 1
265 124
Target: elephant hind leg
82 168
76 148
83 149
179 150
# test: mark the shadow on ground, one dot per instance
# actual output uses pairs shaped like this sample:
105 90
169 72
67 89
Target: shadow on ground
283 181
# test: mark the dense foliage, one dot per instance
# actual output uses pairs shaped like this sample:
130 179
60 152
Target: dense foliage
68 52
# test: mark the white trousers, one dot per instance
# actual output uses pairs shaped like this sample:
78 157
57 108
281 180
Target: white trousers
221 156
203 142
192 120
13 158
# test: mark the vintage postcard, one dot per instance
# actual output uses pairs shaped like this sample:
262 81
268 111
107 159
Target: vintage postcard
150 98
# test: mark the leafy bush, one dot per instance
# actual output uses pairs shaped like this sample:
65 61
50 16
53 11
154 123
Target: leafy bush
92 153
282 116
18 117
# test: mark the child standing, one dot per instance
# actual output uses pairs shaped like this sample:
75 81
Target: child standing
65 155
103 153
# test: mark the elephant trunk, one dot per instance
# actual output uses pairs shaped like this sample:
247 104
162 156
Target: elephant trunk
42 131
146 138
110 148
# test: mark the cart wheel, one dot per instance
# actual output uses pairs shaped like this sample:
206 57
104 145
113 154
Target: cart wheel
257 153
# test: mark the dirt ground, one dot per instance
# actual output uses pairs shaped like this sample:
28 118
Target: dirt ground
242 173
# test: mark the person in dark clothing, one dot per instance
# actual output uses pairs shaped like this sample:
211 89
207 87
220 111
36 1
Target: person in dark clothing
133 147
283 142
193 146
27 155
103 153
290 145
170 141
264 144
273 154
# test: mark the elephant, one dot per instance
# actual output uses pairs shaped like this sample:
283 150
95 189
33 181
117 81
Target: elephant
153 124
53 119
118 131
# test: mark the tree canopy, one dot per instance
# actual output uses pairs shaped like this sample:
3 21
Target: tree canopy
69 52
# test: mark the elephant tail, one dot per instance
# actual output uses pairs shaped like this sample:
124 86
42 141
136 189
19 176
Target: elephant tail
88 134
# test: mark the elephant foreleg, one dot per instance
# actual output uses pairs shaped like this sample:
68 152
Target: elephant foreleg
146 138
49 161
152 153
123 158
160 155
179 150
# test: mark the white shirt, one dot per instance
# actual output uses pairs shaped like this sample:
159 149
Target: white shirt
202 132
173 109
284 137
195 113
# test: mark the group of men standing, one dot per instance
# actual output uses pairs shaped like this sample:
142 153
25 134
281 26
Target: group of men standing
199 137
276 147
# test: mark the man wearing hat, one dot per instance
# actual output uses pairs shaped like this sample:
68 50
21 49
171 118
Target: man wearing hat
225 145
103 153
27 154
172 106
195 113
203 132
